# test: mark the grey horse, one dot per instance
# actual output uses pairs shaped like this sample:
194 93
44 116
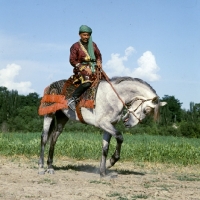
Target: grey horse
132 95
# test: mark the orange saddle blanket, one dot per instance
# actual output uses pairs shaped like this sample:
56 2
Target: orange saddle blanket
56 95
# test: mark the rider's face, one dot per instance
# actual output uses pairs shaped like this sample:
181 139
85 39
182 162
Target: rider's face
84 36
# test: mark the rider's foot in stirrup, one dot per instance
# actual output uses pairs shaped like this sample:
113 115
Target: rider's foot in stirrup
72 103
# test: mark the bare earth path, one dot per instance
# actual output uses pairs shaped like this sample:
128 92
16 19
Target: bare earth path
79 180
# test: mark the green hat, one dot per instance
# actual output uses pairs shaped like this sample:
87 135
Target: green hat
85 29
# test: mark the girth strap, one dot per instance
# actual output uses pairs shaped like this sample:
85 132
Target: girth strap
79 114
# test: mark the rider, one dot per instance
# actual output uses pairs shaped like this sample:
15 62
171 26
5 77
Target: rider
84 57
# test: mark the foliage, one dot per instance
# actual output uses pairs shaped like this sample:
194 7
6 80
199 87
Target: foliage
19 113
172 111
190 129
27 120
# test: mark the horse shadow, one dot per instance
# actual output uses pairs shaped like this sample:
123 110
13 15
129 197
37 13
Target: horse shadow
93 169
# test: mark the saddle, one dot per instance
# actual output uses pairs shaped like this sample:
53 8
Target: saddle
56 95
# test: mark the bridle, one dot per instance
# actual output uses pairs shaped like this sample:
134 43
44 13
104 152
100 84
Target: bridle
128 105
128 110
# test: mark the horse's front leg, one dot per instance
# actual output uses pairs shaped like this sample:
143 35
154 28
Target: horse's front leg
116 156
109 128
105 148
44 139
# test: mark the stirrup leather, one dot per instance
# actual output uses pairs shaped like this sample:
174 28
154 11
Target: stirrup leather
72 103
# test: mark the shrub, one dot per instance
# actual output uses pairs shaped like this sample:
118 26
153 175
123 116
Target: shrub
190 129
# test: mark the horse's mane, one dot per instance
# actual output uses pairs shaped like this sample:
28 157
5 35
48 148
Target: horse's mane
120 79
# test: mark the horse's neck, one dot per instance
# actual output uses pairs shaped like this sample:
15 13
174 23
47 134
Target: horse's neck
129 90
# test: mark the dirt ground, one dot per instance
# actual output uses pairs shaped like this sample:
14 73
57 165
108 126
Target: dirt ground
80 180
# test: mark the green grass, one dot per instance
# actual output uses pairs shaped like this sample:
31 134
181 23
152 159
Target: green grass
140 196
81 145
188 178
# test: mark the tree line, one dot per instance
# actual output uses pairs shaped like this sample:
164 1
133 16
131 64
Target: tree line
19 113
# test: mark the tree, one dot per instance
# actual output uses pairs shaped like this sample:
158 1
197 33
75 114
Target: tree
172 111
27 120
32 99
193 114
8 103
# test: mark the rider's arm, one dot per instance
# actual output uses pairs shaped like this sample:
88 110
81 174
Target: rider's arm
73 59
97 55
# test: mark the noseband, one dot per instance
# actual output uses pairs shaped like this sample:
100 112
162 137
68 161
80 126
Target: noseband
127 106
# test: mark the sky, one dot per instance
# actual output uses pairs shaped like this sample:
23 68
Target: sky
157 41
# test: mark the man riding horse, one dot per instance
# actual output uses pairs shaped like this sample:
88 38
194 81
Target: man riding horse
113 96
85 57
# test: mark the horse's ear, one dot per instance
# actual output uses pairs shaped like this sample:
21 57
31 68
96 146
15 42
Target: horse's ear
163 103
155 100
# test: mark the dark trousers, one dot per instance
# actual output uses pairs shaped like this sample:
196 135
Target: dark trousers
81 89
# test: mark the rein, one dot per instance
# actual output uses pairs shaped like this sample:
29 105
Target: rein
130 104
128 111
107 79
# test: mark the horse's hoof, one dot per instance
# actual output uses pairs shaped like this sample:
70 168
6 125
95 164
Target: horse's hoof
102 175
113 175
108 164
50 171
41 172
109 176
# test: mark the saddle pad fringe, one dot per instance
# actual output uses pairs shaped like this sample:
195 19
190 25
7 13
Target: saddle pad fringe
52 103
56 95
53 98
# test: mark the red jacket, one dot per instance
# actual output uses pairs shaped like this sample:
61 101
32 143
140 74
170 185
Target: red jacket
77 55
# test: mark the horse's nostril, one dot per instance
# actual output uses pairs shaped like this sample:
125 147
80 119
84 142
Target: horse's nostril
126 120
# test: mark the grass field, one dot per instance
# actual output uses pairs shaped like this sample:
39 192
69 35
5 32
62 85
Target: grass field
81 145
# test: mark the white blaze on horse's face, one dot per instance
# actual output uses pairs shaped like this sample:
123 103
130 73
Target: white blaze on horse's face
138 111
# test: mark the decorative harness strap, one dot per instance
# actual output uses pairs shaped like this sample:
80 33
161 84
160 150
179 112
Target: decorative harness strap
79 114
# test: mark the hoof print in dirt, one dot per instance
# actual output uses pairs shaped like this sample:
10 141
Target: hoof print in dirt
50 171
41 172
109 176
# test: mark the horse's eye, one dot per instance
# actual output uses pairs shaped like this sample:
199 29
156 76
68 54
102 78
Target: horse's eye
129 104
147 110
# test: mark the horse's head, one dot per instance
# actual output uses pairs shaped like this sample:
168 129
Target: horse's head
139 108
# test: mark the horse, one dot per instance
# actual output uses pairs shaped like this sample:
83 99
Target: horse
133 96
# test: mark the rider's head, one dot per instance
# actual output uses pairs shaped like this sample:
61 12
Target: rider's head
85 33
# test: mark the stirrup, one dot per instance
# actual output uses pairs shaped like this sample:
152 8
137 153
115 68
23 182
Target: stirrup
72 103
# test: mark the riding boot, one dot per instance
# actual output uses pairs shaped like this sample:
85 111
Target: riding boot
77 93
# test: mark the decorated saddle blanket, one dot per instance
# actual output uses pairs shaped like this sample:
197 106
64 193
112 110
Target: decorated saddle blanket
56 95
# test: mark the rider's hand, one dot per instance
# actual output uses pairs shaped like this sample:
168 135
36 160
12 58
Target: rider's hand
88 70
99 65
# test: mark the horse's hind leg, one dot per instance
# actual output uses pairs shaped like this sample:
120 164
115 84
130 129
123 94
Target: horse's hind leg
57 129
44 138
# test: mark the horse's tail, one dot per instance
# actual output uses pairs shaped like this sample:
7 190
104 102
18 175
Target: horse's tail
57 124
51 129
